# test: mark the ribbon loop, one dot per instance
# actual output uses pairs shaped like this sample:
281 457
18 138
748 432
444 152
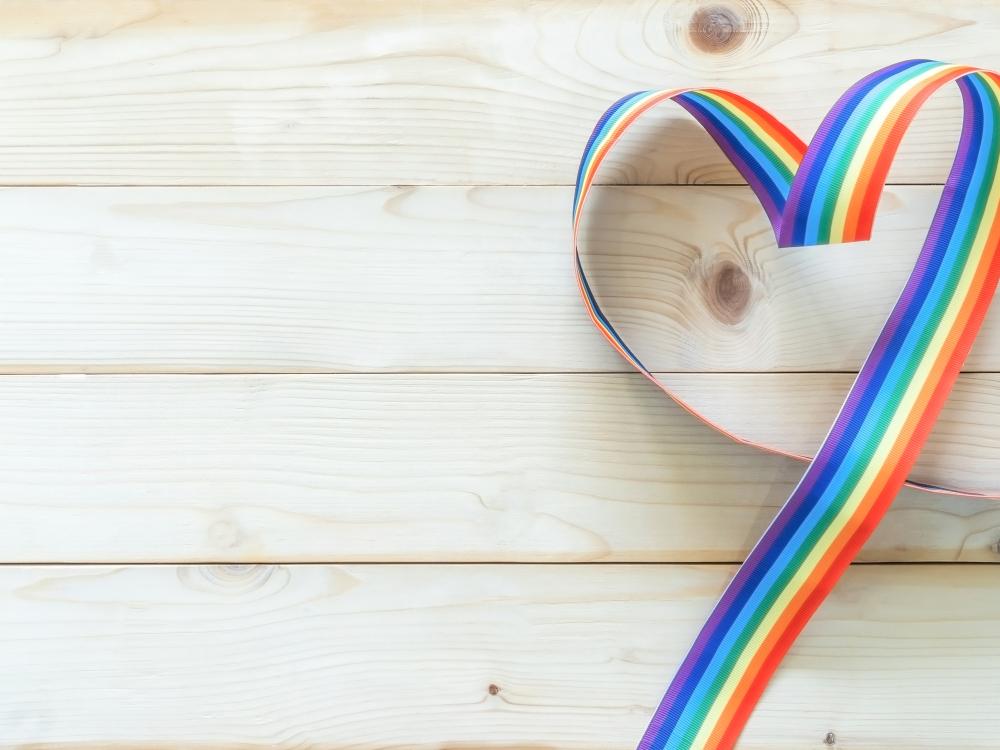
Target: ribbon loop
823 194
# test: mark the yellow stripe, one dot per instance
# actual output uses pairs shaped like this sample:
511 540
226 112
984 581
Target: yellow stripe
747 117
864 148
588 175
868 477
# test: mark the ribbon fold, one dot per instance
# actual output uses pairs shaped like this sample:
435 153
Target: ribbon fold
826 193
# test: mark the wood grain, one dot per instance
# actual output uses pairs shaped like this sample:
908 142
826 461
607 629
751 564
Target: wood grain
426 468
435 279
295 360
290 279
471 657
501 91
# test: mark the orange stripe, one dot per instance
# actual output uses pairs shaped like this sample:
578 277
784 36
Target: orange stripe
616 133
791 143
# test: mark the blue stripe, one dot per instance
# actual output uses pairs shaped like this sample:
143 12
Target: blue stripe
819 150
752 155
600 314
832 170
611 116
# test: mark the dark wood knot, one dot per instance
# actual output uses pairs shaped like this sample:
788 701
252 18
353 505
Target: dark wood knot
728 291
493 689
717 28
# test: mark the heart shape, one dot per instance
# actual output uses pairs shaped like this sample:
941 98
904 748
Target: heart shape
822 194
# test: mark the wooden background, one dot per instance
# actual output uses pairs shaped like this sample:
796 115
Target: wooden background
306 440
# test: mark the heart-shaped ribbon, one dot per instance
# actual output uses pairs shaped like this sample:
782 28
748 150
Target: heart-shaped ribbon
823 194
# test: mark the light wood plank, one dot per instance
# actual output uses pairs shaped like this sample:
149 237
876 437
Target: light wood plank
502 91
300 279
405 657
435 279
414 468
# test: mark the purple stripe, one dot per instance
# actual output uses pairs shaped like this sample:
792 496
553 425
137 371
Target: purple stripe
750 174
948 196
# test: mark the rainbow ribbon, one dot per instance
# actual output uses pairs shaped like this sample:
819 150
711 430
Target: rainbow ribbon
821 194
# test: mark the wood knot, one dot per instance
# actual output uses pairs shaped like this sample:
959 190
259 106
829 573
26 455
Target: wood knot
716 29
728 28
235 578
493 689
830 739
225 534
728 291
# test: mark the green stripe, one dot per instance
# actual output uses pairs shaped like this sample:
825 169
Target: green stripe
740 119
838 171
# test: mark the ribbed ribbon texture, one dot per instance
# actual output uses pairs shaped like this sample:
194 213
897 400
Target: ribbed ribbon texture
820 194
